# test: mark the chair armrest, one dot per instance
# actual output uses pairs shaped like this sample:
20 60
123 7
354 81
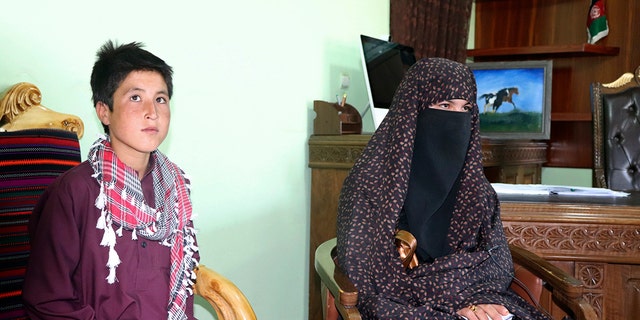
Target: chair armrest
223 295
565 289
336 281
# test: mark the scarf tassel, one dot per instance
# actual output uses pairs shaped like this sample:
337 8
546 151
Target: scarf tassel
109 237
101 200
114 259
119 232
190 248
112 263
101 220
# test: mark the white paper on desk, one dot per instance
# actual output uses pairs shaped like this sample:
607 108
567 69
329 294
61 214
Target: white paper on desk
545 189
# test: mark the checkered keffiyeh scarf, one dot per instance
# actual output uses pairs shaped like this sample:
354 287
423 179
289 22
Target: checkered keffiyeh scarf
122 203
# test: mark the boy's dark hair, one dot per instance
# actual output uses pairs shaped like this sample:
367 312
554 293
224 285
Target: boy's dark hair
114 64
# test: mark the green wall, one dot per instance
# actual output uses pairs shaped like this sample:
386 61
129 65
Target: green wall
246 75
567 176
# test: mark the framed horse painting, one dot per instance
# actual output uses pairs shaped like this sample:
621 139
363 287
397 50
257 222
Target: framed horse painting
514 99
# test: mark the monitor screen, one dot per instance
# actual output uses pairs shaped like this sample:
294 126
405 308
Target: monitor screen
384 63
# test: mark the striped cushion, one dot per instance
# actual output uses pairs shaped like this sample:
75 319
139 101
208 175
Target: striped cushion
29 161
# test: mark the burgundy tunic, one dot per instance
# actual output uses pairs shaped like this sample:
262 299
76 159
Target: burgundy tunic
66 274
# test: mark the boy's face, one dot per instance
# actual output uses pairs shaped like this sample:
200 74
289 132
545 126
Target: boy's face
140 118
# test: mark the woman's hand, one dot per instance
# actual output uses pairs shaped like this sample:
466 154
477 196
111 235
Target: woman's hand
483 312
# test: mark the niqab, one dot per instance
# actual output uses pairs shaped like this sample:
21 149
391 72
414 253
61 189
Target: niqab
440 147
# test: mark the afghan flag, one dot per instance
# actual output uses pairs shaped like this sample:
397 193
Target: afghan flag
597 25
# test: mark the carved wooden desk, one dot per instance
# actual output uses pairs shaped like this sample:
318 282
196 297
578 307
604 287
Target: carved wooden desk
596 239
331 157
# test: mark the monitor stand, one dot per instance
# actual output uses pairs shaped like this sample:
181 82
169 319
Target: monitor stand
378 114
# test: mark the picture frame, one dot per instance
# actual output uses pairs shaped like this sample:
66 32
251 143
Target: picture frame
514 99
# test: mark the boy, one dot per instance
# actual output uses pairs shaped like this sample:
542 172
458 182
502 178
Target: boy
113 237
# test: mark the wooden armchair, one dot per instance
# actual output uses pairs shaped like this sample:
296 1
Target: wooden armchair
340 296
36 146
616 133
225 297
20 109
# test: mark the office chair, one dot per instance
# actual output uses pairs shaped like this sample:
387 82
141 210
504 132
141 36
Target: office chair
616 133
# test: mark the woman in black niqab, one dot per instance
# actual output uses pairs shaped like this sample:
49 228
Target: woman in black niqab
422 172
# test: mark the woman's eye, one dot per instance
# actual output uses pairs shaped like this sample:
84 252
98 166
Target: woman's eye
444 105
135 98
468 108
161 100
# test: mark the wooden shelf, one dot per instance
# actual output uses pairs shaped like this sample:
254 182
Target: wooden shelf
583 49
569 116
508 30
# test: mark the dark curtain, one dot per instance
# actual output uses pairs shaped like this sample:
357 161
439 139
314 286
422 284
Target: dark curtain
434 28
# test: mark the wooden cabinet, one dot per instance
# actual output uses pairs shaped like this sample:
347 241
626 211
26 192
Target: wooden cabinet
513 161
508 30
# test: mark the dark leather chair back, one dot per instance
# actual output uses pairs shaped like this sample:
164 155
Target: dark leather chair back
616 133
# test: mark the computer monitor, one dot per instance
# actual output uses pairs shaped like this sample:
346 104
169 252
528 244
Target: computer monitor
384 64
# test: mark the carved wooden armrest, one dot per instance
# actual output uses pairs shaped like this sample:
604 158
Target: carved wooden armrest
223 295
20 109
